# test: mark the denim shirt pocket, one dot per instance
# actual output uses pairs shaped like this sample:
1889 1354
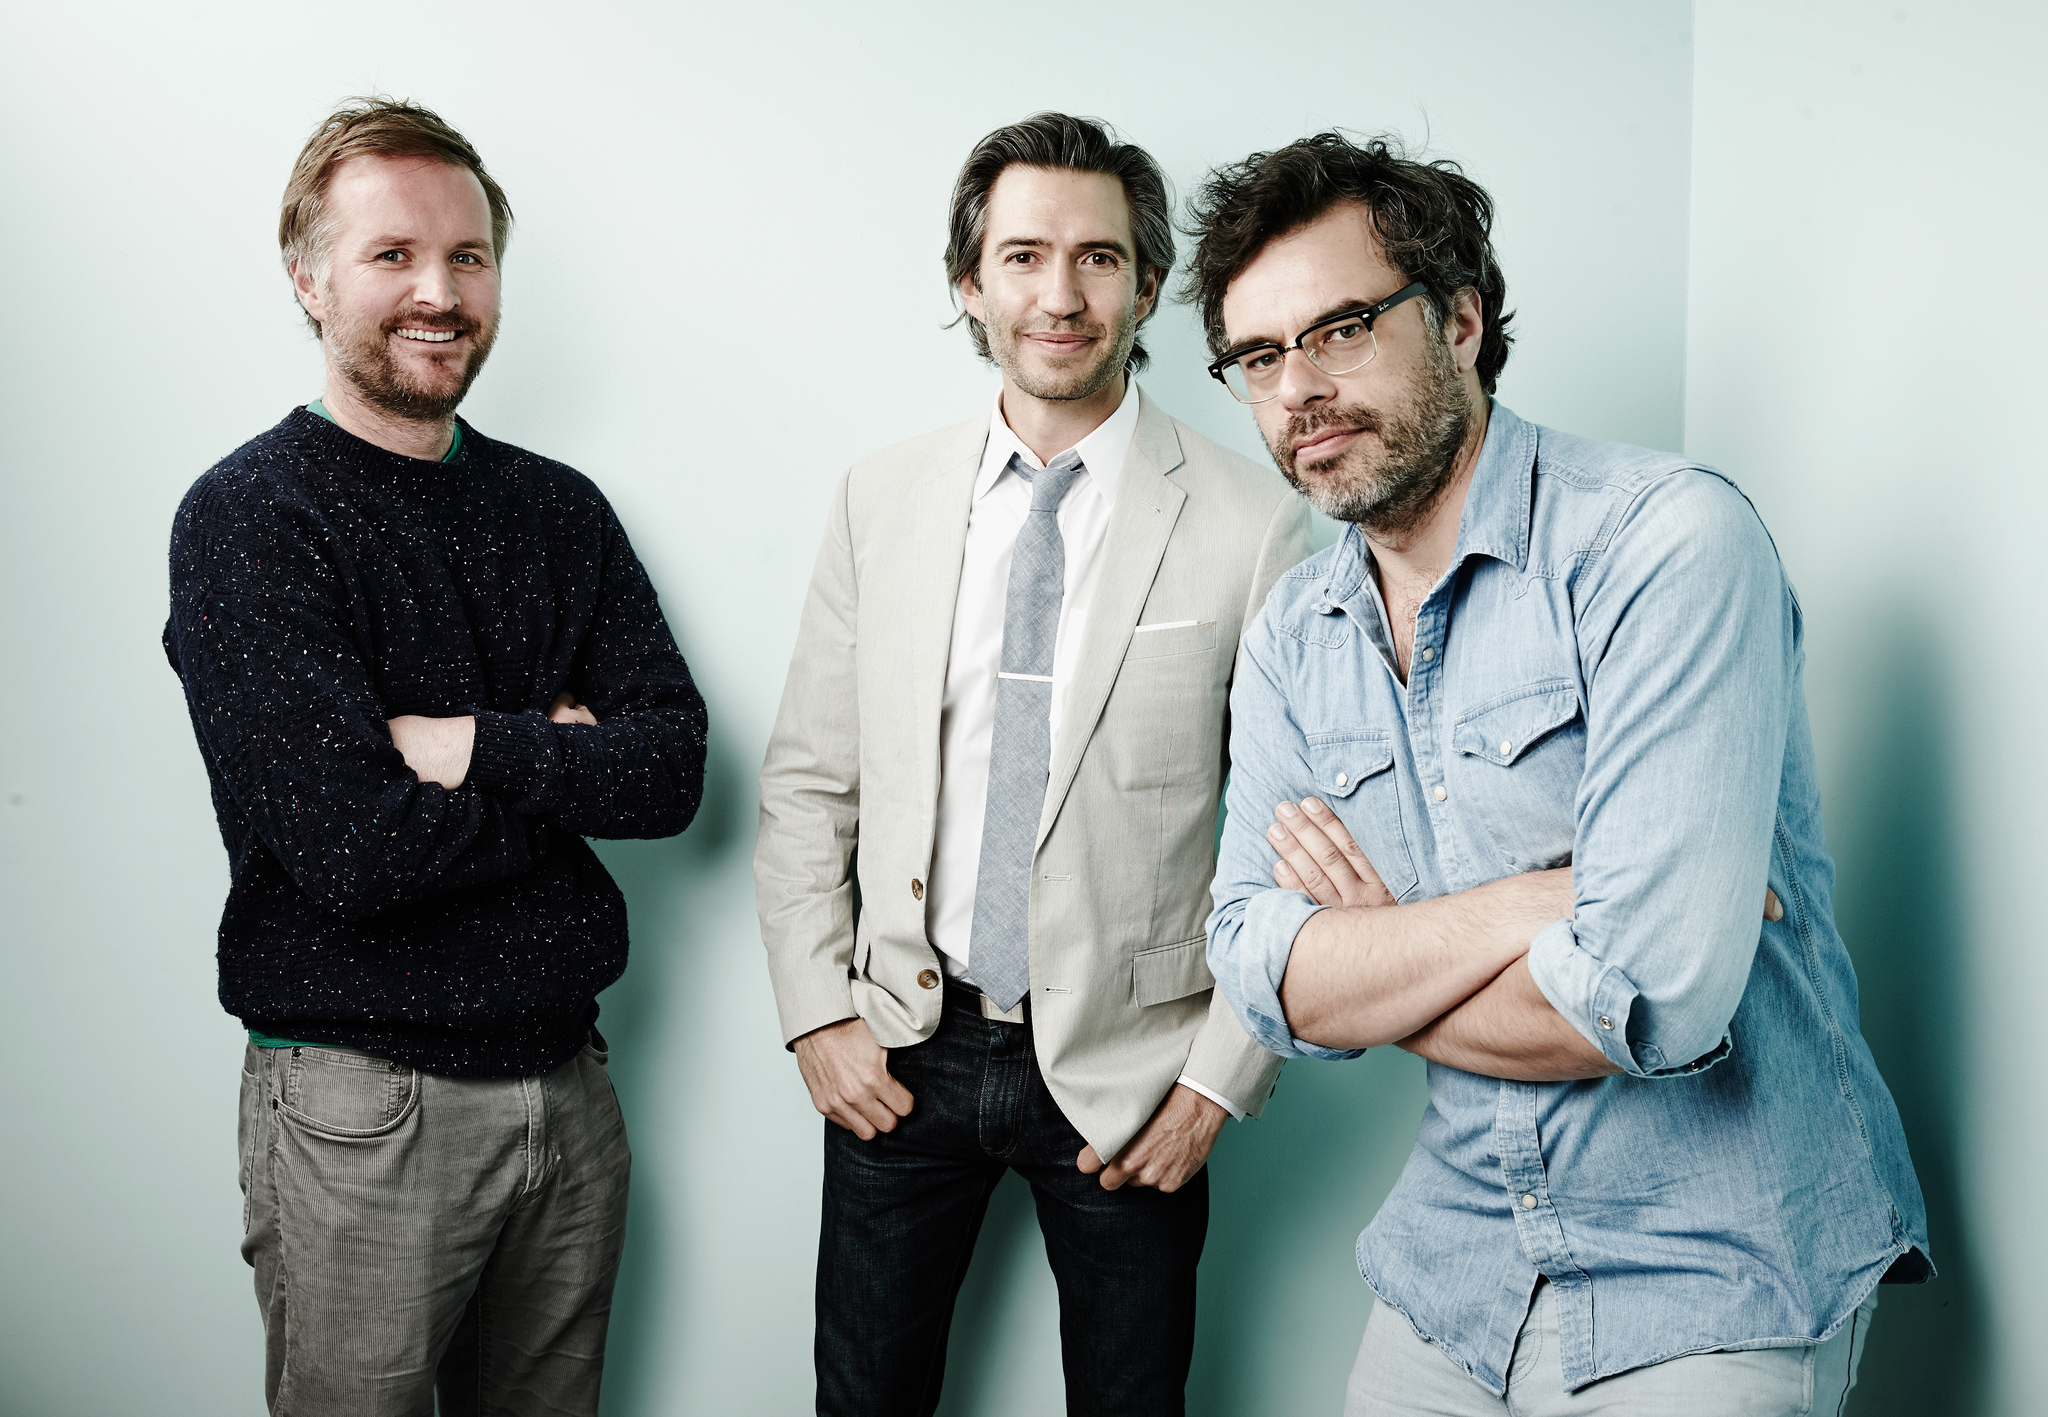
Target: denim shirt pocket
1521 755
1354 775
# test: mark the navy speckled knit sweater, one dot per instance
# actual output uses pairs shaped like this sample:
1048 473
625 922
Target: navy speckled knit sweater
319 586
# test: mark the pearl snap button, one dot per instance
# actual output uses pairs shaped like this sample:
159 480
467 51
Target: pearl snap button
1504 747
1343 779
1428 653
1528 1202
1439 794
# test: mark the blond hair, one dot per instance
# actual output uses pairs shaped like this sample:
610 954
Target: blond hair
384 127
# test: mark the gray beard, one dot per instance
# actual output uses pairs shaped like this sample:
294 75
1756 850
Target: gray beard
1387 489
1085 383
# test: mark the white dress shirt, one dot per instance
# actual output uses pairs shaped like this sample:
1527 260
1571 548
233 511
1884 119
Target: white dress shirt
996 514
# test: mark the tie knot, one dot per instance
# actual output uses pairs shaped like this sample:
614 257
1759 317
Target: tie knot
1049 485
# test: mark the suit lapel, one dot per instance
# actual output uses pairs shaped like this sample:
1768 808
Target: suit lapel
938 541
1148 504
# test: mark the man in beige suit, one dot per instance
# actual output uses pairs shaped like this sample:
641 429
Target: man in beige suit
988 811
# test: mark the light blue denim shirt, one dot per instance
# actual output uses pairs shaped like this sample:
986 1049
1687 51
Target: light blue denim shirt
1607 677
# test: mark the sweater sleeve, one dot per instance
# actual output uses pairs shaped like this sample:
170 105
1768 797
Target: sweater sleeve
639 772
284 704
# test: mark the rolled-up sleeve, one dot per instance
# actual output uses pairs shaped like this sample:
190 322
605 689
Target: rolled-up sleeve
1688 640
1253 925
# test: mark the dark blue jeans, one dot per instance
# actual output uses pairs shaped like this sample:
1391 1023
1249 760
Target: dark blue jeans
902 1212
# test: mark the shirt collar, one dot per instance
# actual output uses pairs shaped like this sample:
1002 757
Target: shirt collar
1496 518
1495 521
1103 452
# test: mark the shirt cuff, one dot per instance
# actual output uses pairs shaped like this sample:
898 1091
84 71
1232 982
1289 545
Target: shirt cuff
1597 999
1254 960
1236 1112
513 753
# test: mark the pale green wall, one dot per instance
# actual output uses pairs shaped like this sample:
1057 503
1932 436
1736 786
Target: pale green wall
725 286
1864 358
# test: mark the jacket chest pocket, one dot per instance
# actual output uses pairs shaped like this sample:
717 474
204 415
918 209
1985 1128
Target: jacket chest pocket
1354 774
1518 758
1164 719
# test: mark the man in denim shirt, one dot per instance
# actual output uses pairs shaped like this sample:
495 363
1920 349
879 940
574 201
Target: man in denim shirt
1513 764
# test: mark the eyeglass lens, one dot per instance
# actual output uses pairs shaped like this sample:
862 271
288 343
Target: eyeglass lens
1341 347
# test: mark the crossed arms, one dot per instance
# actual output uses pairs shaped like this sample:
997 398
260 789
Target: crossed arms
1446 979
1635 960
361 809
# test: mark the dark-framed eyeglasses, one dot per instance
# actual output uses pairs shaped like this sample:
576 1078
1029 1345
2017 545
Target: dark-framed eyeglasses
1342 344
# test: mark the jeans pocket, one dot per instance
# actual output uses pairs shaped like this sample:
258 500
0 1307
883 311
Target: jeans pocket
248 1125
347 1095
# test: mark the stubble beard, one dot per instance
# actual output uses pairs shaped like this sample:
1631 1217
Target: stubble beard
360 350
1387 481
1007 347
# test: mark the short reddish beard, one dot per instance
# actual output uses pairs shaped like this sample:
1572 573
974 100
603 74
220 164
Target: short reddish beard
1387 481
361 353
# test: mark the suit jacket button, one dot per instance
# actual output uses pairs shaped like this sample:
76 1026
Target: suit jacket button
916 889
927 979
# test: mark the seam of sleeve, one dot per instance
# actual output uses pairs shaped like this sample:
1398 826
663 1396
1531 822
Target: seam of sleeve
513 753
1593 997
1272 918
1568 973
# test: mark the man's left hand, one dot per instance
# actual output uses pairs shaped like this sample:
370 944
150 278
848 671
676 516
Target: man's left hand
1170 1148
565 709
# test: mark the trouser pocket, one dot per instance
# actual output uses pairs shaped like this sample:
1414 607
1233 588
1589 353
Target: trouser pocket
347 1095
249 1122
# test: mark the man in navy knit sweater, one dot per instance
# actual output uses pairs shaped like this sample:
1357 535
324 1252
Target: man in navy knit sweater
422 666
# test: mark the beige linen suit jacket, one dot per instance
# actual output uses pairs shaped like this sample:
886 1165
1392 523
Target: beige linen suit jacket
1121 999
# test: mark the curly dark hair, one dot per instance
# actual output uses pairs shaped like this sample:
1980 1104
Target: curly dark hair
1060 141
1433 222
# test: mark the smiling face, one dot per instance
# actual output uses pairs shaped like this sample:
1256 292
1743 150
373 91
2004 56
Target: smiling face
1375 446
1058 288
408 301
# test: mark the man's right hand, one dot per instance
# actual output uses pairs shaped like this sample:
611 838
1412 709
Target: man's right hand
848 1075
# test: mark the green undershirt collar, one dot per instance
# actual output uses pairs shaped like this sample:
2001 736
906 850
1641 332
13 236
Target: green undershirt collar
319 410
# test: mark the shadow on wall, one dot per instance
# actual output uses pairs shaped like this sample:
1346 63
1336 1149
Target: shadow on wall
1282 1305
1891 831
662 881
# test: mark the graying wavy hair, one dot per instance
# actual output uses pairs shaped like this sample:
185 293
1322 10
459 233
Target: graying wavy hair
1061 142
1434 223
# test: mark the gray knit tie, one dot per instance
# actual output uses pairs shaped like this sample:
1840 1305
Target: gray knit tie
1020 750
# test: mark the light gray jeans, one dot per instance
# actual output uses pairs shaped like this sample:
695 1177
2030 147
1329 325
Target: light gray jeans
1398 1372
410 1232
